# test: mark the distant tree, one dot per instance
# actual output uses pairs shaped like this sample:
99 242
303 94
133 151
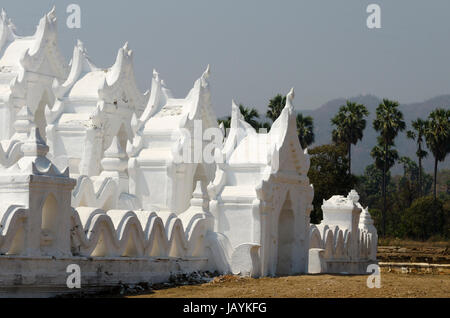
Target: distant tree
424 218
305 130
437 136
384 154
350 123
388 122
250 115
407 186
275 106
226 121
418 135
328 173
369 185
410 168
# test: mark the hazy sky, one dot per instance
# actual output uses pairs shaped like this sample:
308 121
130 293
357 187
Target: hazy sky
260 48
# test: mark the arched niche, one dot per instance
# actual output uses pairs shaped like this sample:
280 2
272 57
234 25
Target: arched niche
285 239
200 175
49 219
18 242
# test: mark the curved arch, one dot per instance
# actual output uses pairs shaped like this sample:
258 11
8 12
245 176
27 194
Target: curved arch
315 240
12 231
329 244
49 219
177 240
157 241
286 240
339 247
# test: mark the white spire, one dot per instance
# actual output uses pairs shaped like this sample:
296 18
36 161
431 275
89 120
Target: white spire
289 98
207 72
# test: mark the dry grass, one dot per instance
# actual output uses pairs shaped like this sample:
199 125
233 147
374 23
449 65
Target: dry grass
389 241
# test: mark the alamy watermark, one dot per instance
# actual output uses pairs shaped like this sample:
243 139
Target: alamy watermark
74 18
200 145
74 278
374 279
374 19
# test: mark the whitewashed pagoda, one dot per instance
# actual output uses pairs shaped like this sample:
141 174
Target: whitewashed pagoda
95 173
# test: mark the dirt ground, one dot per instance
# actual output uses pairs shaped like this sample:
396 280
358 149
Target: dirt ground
392 285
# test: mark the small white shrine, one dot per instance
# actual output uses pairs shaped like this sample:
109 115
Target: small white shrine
134 187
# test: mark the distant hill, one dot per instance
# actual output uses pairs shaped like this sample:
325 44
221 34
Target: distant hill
361 153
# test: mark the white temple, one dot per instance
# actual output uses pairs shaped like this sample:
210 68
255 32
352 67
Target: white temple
93 172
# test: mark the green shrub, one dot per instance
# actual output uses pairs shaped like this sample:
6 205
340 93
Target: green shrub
426 218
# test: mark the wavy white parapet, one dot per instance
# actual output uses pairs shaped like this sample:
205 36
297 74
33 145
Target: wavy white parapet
12 154
114 233
338 245
135 233
345 234
86 193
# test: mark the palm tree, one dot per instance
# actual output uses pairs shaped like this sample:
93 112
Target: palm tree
350 124
305 130
409 167
388 122
379 155
437 136
418 135
276 105
226 121
250 115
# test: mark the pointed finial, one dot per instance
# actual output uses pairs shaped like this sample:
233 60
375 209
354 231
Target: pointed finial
291 94
7 21
234 105
155 74
52 14
80 45
127 51
206 73
235 114
289 97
